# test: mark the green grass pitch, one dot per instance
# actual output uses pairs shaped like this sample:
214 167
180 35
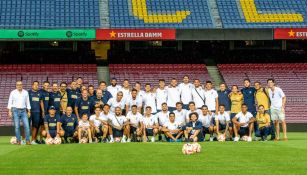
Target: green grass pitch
255 158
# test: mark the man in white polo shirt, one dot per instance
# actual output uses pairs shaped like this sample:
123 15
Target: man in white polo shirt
198 94
278 103
149 99
173 95
185 92
243 124
161 94
19 109
125 89
180 114
211 97
134 99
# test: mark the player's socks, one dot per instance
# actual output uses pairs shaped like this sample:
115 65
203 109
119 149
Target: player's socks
163 137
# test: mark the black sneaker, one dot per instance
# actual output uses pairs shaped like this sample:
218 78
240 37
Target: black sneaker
104 140
160 138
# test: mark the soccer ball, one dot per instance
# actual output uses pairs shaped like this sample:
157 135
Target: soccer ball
196 147
83 140
244 138
13 140
49 141
57 141
221 138
188 149
117 139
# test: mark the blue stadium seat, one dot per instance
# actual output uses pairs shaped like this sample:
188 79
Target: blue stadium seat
33 14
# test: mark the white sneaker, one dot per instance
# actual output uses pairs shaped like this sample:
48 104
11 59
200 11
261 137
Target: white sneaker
153 139
123 140
111 141
249 139
211 139
128 140
236 139
33 142
23 142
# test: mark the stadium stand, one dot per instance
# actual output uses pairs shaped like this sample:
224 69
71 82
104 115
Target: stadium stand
193 14
262 14
159 14
9 74
29 14
151 73
292 78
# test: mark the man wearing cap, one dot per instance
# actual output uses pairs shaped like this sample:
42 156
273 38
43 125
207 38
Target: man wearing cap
51 124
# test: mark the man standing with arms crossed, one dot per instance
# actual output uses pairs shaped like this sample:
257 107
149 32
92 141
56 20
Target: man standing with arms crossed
19 108
185 92
278 104
35 110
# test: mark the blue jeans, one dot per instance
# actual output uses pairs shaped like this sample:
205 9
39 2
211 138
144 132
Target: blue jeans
263 132
21 114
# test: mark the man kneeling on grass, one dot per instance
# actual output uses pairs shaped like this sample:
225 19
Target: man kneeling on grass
84 131
193 129
119 123
263 120
243 124
172 129
222 123
151 125
97 123
69 126
51 124
135 124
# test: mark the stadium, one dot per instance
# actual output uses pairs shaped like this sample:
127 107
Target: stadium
153 87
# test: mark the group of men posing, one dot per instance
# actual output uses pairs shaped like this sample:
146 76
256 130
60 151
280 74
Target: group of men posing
184 112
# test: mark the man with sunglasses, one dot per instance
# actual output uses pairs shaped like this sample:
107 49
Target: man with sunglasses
278 104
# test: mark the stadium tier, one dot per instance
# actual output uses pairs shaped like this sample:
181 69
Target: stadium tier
159 14
262 14
292 78
29 14
151 73
28 73
192 14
